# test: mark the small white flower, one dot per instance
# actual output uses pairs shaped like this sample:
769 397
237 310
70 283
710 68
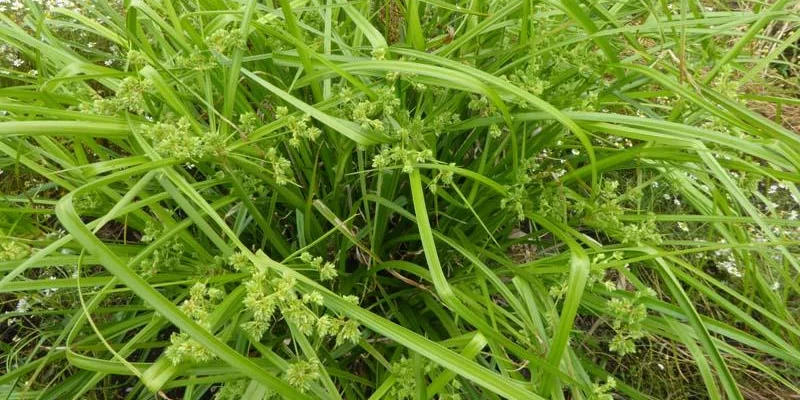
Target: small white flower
772 189
23 305
730 267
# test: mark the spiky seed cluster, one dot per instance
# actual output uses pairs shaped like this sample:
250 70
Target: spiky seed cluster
201 302
482 105
629 315
281 167
354 300
88 201
12 250
644 232
232 390
348 332
371 114
405 386
197 60
164 258
130 97
444 120
301 128
198 306
151 232
313 298
605 213
248 122
131 92
442 179
175 140
183 348
266 296
262 300
240 262
515 200
223 41
302 374
495 131
136 57
405 381
603 391
298 314
399 155
529 78
326 269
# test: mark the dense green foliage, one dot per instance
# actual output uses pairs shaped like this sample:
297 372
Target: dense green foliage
392 199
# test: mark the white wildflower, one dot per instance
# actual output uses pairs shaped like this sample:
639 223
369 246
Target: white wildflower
23 306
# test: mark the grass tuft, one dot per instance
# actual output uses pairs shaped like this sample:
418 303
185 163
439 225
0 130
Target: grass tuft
383 199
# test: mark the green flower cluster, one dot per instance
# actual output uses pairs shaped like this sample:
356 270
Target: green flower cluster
223 41
327 270
603 391
444 120
482 106
405 386
302 374
197 60
605 213
515 200
301 128
400 155
529 78
198 306
129 96
232 390
200 303
248 122
12 250
164 258
374 114
442 179
267 295
178 141
629 315
644 232
281 167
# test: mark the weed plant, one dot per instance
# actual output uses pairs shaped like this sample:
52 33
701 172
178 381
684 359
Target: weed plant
484 199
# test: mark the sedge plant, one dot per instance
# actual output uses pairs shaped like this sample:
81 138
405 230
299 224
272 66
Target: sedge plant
389 199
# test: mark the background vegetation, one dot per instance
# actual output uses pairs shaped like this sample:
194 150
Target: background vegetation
423 199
